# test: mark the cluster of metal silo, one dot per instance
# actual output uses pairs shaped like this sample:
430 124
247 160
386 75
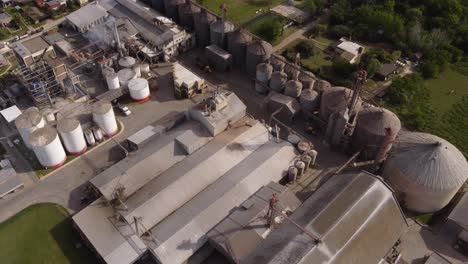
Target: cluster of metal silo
187 13
291 71
307 79
258 51
278 62
237 46
426 171
335 100
262 76
309 100
47 147
321 85
278 81
219 31
171 8
376 129
104 117
203 20
29 121
139 90
293 88
72 135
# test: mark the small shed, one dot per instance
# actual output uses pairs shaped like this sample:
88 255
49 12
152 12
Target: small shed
11 113
220 59
386 71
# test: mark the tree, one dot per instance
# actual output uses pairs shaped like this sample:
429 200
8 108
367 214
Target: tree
396 54
310 6
372 67
269 30
430 69
339 31
343 68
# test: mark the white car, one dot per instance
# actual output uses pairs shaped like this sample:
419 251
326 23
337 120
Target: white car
124 109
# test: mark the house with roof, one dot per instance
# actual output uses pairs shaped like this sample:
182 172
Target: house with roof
5 19
348 50
386 71
6 3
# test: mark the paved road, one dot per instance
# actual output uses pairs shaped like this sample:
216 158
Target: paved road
48 25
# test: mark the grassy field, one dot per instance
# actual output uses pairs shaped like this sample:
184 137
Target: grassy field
42 233
241 11
317 61
254 25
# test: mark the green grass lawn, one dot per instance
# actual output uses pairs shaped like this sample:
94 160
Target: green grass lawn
42 233
313 63
441 97
241 11
254 25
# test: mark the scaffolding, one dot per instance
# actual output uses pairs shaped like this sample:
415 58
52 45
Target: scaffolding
41 82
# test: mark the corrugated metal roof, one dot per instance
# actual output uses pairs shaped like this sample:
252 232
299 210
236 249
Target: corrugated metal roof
355 216
460 212
87 14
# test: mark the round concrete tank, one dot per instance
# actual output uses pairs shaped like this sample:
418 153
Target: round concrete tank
46 145
237 46
309 100
307 79
28 122
292 173
127 62
278 63
278 81
426 171
293 88
257 52
292 71
144 68
376 129
262 76
336 99
203 21
187 12
158 5
112 80
300 165
72 136
104 117
218 32
171 8
125 75
139 89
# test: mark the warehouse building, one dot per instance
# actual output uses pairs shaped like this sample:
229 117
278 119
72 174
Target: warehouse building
86 17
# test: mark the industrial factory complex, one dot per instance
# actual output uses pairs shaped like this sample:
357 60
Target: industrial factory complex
226 151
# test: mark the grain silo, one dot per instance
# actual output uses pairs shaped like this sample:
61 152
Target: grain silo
262 76
335 100
219 31
321 85
203 21
46 145
139 90
237 45
278 81
309 100
307 79
376 129
104 117
171 8
125 75
278 62
158 5
27 122
293 88
187 12
292 71
426 171
112 80
257 52
72 135
127 62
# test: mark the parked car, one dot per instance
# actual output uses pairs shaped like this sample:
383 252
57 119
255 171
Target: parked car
124 109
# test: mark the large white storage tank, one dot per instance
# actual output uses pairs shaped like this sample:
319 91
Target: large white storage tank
28 122
46 145
127 62
125 75
426 171
139 89
112 80
104 117
72 135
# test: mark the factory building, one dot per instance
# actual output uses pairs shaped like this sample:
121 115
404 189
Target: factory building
86 17
198 172
352 218
32 50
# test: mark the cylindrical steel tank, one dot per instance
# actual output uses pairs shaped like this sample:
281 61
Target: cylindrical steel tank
278 81
171 8
293 139
306 159
46 145
219 31
104 117
292 71
139 89
313 155
303 146
203 21
112 80
262 76
426 171
90 137
336 99
187 12
278 62
127 62
144 68
27 122
136 68
125 75
309 100
307 79
300 165
237 46
292 173
72 136
158 5
373 126
321 85
257 52
293 88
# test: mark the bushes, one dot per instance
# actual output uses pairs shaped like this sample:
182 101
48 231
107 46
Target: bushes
269 30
